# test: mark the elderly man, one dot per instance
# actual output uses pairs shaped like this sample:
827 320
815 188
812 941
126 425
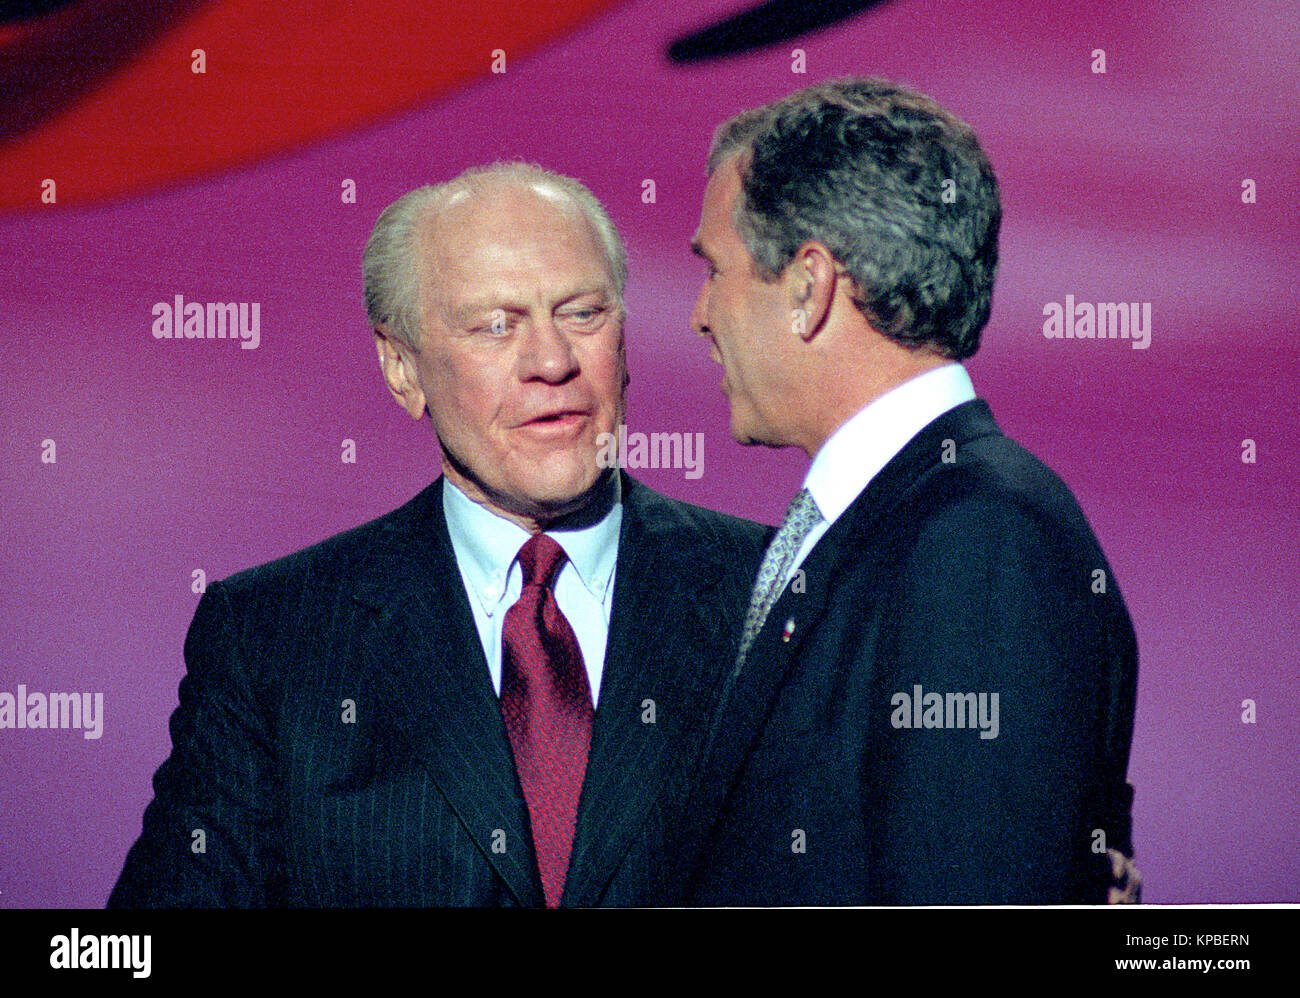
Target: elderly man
490 695
933 700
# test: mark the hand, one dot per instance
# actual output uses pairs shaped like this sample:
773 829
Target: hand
1126 887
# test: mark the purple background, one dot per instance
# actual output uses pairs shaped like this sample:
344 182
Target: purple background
1125 186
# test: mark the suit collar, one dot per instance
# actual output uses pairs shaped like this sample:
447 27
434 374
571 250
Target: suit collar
425 661
856 531
662 671
865 444
664 645
934 446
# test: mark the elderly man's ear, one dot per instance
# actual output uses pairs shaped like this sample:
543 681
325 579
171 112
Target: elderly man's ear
398 365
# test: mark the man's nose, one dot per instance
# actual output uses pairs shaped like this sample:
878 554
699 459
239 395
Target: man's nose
699 313
547 351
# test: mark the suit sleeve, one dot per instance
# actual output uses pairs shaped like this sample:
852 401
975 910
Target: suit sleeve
995 601
209 834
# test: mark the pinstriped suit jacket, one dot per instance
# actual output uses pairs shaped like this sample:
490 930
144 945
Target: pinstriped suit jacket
272 798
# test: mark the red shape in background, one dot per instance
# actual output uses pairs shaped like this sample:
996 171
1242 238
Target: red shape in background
100 97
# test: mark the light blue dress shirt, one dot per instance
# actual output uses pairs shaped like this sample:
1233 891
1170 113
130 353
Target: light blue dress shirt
487 548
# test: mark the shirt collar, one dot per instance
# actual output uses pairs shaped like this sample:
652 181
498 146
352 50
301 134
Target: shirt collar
486 545
859 450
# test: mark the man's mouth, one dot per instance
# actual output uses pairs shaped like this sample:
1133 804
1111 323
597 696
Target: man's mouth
559 414
559 422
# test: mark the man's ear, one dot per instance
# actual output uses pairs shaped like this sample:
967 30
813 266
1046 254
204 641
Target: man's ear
397 363
812 274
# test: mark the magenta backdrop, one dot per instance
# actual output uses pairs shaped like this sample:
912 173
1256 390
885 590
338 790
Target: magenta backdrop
176 456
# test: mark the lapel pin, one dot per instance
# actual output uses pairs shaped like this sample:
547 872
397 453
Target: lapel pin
789 630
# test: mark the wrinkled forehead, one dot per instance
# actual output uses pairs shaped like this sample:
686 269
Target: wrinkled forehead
470 214
518 237
502 195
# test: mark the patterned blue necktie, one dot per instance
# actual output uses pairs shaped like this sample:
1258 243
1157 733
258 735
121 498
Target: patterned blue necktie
800 518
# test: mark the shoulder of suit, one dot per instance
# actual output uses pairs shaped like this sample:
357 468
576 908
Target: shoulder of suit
995 482
334 557
679 520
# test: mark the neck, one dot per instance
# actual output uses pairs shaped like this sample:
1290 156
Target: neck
572 514
847 388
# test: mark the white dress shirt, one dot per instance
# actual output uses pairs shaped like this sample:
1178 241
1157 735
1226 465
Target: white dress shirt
487 548
859 450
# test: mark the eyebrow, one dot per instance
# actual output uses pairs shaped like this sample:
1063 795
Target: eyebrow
469 310
604 290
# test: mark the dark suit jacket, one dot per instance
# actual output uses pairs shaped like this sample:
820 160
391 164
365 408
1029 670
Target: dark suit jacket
417 802
973 576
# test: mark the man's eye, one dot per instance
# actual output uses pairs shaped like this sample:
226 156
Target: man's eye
584 315
498 324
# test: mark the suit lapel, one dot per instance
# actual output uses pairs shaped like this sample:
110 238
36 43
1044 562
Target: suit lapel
426 663
665 645
750 692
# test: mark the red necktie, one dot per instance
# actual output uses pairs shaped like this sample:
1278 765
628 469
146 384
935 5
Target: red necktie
546 703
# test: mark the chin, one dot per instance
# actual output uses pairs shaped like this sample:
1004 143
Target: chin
751 435
742 431
562 482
